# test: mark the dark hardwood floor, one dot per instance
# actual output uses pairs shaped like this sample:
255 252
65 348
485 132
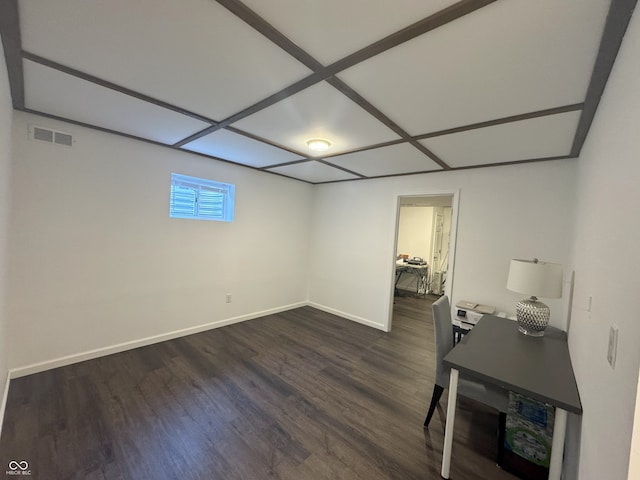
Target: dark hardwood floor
301 395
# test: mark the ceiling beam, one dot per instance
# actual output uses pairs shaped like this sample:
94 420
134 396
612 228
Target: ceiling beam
149 141
321 73
469 167
500 121
265 140
258 23
390 143
318 160
10 33
359 175
286 164
357 98
262 104
438 19
464 128
617 21
112 86
615 27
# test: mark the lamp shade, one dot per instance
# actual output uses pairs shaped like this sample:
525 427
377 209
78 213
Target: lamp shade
531 277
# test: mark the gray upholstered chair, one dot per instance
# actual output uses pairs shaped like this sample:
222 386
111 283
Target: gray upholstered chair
492 396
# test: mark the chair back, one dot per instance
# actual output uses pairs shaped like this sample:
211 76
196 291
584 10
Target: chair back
443 330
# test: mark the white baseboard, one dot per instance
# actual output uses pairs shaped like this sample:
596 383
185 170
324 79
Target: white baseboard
348 316
121 347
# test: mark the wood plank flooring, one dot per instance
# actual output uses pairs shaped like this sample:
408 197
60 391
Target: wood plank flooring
301 395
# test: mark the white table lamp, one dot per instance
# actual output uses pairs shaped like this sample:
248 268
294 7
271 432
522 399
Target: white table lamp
538 279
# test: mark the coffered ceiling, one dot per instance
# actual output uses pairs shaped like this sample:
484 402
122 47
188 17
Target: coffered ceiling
397 86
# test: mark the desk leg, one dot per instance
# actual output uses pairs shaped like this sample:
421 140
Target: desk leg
448 429
557 444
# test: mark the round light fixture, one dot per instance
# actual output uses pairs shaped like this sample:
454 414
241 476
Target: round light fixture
318 144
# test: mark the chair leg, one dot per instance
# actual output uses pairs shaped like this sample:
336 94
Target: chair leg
435 398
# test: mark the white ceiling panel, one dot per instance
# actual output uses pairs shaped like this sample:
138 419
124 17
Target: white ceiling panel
507 58
317 112
240 149
540 137
477 62
314 172
332 29
191 53
57 93
395 159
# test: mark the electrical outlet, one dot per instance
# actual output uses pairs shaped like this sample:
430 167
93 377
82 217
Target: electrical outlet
228 298
613 346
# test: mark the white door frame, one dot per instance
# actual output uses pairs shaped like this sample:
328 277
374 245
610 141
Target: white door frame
448 288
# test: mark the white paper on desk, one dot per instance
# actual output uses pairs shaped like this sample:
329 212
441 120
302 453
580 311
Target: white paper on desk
485 309
466 304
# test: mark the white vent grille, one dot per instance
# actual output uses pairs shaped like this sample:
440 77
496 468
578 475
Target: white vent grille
42 134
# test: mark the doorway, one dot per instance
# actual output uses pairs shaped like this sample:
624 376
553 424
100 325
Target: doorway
425 234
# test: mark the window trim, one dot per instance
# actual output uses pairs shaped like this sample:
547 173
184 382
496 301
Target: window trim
199 186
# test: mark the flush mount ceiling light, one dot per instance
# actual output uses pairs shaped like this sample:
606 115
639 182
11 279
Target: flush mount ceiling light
318 144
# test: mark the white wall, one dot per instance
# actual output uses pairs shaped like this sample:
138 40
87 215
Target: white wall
415 232
607 268
97 262
5 199
519 211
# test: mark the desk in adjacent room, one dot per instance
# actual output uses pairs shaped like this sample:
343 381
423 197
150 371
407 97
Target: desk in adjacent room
538 367
421 272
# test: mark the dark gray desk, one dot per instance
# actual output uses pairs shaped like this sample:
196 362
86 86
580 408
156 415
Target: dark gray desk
538 367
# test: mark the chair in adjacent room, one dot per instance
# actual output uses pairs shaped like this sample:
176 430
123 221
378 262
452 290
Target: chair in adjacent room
443 329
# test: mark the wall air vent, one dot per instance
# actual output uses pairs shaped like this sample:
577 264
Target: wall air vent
47 135
62 138
42 134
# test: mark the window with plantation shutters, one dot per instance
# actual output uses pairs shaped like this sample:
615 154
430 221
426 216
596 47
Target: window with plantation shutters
201 199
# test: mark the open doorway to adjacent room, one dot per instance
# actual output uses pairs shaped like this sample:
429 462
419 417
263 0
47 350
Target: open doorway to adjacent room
424 246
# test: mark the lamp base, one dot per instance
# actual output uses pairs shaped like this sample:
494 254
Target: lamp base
533 317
